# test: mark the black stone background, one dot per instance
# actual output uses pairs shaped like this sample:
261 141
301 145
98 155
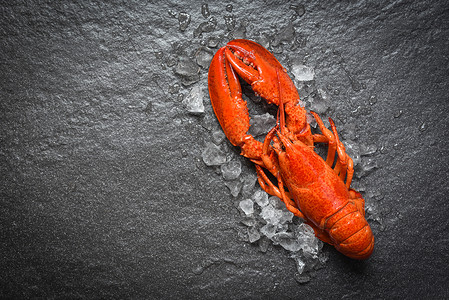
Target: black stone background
103 191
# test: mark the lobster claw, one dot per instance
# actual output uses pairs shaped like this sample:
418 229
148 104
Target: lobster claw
226 97
259 68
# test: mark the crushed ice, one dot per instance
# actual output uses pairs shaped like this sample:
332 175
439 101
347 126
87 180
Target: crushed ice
261 198
194 101
234 187
213 155
188 70
204 57
231 170
261 124
302 72
275 225
247 206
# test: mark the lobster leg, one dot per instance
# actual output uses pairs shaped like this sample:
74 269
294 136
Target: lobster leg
266 184
271 189
344 167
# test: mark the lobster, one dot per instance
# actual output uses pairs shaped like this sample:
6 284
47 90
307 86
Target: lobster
312 188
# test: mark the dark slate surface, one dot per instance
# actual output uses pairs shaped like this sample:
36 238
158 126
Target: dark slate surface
103 191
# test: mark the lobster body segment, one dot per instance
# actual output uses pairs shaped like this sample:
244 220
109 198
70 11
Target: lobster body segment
314 189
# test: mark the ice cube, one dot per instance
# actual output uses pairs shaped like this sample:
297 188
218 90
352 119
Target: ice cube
204 57
367 149
319 105
218 136
276 202
369 164
366 166
372 213
286 216
268 230
285 35
186 67
306 238
194 101
305 230
281 227
268 214
353 150
231 170
234 187
253 234
302 72
247 206
261 124
287 241
300 265
261 198
249 181
212 155
249 220
188 70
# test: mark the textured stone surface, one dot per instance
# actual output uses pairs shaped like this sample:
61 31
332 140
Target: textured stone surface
103 189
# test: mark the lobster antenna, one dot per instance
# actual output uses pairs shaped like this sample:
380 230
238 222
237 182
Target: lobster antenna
281 113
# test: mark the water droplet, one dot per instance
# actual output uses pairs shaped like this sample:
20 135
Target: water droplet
355 84
172 13
398 113
299 9
230 22
372 100
213 41
286 34
159 54
174 88
149 108
171 61
184 20
208 26
423 127
229 7
205 10
384 148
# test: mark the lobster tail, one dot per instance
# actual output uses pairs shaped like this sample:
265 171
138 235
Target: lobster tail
350 232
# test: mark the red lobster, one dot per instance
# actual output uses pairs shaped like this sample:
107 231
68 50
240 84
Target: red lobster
310 187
